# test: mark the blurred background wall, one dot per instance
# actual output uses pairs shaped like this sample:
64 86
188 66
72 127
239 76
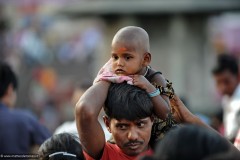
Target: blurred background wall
56 46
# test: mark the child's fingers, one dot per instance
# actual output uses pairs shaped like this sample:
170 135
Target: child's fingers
133 75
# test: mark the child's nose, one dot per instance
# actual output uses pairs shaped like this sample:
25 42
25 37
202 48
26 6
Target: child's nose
120 62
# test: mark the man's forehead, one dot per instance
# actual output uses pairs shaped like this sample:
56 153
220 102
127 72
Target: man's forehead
225 74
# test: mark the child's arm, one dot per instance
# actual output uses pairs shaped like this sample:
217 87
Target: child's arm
160 102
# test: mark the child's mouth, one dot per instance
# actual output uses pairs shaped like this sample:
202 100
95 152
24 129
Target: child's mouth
119 71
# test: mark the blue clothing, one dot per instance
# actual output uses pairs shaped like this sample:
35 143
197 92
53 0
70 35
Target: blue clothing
19 131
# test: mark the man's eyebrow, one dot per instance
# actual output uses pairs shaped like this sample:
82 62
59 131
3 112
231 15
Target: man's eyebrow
142 120
122 123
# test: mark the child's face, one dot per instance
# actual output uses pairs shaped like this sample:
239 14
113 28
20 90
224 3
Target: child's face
127 59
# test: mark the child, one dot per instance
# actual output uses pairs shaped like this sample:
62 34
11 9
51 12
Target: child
130 59
61 146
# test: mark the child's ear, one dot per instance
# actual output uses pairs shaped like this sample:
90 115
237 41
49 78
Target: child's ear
107 123
146 59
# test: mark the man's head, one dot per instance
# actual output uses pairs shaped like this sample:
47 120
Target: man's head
8 85
130 51
129 117
226 74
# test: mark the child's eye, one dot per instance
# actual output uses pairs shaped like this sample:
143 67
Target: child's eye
115 57
128 57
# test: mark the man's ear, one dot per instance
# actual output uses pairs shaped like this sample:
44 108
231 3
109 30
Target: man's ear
146 59
107 123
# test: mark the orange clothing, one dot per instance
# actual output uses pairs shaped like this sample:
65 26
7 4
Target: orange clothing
113 152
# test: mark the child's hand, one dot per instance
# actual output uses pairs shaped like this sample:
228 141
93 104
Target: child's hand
141 82
105 70
106 74
116 79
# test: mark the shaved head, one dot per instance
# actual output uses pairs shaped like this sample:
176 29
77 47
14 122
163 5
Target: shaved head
137 37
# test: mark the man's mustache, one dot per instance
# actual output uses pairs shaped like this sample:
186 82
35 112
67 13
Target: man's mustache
131 143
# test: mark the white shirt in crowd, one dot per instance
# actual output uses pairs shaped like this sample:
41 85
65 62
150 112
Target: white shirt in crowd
231 109
71 127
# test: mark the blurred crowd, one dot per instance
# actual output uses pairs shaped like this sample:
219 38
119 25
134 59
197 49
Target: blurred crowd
53 60
46 52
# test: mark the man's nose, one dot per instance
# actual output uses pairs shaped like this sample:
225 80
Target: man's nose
132 134
222 88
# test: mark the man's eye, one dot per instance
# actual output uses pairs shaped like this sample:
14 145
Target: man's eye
122 127
141 124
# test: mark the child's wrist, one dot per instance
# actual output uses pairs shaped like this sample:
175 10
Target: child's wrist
155 93
150 88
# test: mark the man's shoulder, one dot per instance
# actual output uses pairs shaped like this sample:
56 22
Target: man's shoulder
24 115
112 147
27 119
111 152
13 115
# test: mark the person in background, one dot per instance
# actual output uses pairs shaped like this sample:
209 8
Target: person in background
63 146
20 132
226 76
237 139
70 126
193 142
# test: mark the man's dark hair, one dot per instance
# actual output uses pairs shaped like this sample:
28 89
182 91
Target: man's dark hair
129 102
190 142
7 77
226 62
63 142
